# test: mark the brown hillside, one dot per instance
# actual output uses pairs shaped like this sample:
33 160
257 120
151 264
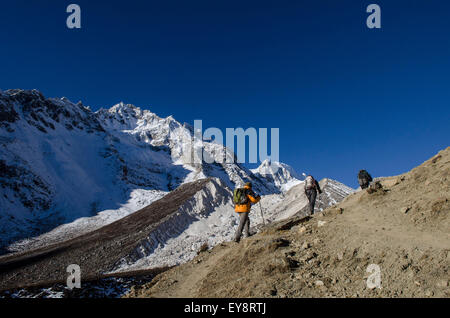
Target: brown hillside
402 227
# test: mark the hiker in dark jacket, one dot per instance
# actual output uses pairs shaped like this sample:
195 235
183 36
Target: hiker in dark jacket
244 209
364 179
311 189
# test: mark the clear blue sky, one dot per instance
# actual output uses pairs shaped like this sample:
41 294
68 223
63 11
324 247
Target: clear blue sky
344 97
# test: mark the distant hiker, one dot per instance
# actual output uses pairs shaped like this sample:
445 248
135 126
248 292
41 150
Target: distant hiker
243 198
311 189
364 179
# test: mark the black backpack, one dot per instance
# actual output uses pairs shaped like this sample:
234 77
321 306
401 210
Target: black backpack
364 175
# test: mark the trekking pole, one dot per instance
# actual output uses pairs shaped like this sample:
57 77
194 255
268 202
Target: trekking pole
262 215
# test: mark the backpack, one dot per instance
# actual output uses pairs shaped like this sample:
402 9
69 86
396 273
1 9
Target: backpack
363 175
240 196
309 182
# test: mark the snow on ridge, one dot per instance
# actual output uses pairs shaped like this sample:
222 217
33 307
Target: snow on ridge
280 174
339 187
139 199
207 217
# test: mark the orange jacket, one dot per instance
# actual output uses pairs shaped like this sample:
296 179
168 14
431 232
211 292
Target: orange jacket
252 199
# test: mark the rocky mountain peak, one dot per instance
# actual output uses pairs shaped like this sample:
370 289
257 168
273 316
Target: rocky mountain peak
280 174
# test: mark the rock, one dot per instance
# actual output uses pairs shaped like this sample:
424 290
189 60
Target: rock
319 283
300 229
305 245
389 183
436 158
374 187
321 223
340 256
316 241
308 256
439 205
291 263
333 211
404 210
340 210
429 293
203 248
443 283
277 243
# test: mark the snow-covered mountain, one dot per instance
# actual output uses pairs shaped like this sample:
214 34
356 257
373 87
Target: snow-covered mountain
60 161
280 174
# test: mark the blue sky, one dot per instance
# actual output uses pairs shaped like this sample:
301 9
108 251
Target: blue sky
345 97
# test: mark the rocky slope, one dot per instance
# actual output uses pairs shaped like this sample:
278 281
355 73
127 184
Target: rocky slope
401 225
108 248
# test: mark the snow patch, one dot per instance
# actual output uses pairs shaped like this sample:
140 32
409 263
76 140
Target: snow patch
139 199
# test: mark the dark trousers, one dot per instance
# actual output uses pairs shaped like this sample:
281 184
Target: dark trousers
311 195
244 223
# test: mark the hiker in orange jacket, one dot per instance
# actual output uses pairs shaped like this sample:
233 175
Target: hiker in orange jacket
244 210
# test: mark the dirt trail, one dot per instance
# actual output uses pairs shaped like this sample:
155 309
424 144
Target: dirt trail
403 227
185 283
